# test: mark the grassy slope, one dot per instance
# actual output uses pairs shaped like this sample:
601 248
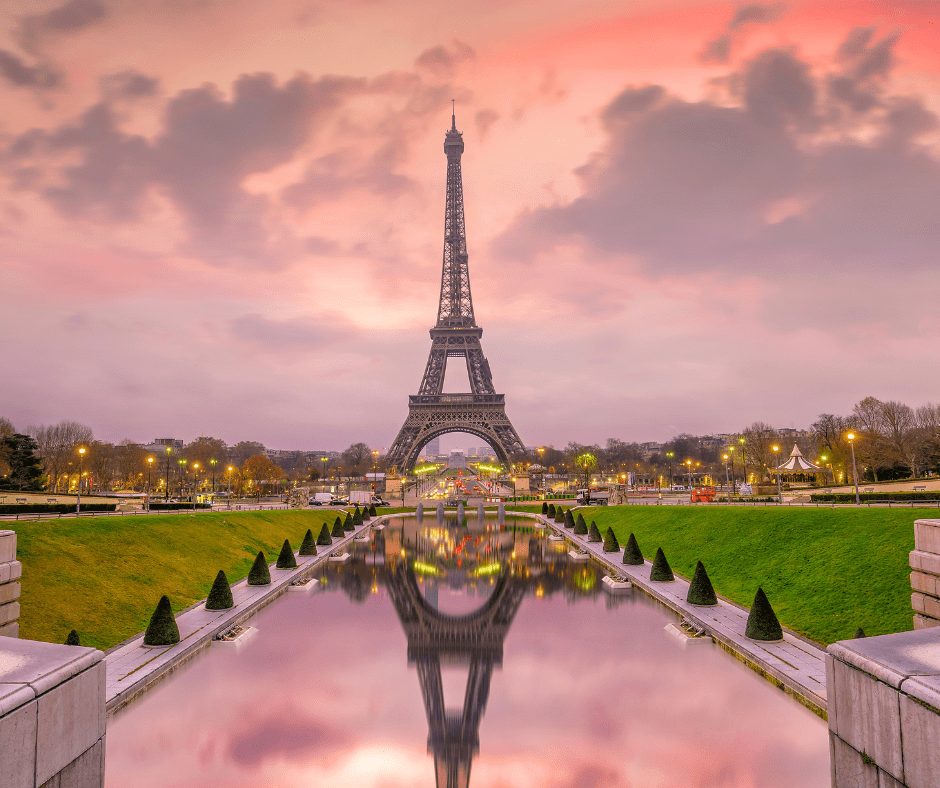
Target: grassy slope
103 576
826 571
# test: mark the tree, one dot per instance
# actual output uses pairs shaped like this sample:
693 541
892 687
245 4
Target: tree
899 432
870 448
25 467
243 450
100 464
130 464
204 450
759 439
6 430
259 470
58 446
356 457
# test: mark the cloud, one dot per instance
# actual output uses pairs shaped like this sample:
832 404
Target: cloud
19 74
129 84
293 334
70 17
718 50
294 738
772 176
443 62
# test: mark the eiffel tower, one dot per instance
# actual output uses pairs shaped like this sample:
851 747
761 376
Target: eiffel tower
481 412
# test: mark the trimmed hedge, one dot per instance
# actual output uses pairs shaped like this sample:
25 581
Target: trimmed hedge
900 495
581 527
357 517
701 591
309 546
661 571
559 515
594 535
220 597
259 575
162 629
372 512
285 559
762 623
324 538
569 519
339 530
365 514
73 639
544 507
551 510
859 633
611 545
348 524
54 508
632 555
167 507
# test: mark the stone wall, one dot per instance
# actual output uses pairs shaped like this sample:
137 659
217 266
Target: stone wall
884 711
925 574
10 571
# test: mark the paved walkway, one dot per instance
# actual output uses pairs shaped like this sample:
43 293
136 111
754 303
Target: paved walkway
132 667
795 665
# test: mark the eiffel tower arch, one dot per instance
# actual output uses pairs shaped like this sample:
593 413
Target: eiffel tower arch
435 638
481 411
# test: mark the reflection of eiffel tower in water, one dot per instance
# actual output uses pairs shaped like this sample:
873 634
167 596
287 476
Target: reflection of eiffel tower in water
435 638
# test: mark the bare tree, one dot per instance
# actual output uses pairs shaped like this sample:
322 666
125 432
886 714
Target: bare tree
99 465
130 464
6 430
898 430
58 445
356 457
759 440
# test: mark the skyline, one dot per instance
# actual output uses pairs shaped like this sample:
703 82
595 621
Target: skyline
681 217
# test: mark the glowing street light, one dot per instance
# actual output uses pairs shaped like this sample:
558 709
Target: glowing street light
149 472
851 437
743 458
78 500
727 480
779 491
230 469
195 482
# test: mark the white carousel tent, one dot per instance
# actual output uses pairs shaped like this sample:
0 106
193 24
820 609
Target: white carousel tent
798 463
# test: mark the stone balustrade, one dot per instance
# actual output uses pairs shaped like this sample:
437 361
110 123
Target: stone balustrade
10 571
925 574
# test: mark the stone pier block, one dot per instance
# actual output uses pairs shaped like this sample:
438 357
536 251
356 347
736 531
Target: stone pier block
7 546
9 592
927 536
923 582
925 562
9 613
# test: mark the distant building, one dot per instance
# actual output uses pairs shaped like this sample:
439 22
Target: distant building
433 448
457 459
162 444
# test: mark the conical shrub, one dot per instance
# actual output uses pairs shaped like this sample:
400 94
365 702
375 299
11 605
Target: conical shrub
259 575
700 589
569 519
859 633
162 629
324 538
372 512
357 516
339 530
594 535
559 515
73 639
285 559
544 507
309 546
580 521
220 596
762 623
348 524
551 510
611 545
365 514
632 555
661 571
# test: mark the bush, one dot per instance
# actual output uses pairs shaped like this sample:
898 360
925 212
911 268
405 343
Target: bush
162 629
73 639
559 515
220 597
661 571
594 535
544 507
168 507
309 546
551 510
569 519
372 512
580 527
859 633
54 508
348 524
762 623
285 559
259 575
365 514
632 555
611 545
899 495
339 529
357 516
700 590
324 538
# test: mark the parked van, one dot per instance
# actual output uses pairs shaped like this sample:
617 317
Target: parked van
322 499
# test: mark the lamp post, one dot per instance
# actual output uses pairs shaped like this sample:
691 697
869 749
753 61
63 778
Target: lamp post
779 490
743 458
727 481
149 477
323 460
689 463
78 500
181 464
375 471
195 482
166 492
731 458
670 455
229 486
212 463
514 488
851 437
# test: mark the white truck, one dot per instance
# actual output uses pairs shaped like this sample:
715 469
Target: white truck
365 498
322 499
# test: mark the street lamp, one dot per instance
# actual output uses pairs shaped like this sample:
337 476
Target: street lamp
78 501
166 492
743 458
323 460
212 463
514 488
195 482
670 455
731 458
779 491
727 481
182 464
375 470
689 463
149 475
229 486
851 437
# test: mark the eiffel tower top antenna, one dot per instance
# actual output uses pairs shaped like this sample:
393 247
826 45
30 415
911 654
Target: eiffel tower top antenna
456 305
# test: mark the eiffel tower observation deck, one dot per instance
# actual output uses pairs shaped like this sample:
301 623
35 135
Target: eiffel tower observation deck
481 411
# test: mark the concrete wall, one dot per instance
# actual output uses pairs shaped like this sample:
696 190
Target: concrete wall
884 711
10 571
925 574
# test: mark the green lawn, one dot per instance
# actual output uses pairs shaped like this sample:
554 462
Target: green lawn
104 576
826 571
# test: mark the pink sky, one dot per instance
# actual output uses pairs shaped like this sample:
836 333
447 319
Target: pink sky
225 218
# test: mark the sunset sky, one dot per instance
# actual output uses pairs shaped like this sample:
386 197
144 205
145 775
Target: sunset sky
225 217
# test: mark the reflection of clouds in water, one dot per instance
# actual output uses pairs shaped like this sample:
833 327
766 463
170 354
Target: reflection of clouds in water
585 697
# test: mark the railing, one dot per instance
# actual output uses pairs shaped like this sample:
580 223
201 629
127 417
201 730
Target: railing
463 399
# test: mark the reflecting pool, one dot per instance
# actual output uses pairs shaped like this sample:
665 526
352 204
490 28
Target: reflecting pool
454 655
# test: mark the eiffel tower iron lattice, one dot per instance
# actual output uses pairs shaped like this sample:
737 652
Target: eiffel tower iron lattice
481 412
